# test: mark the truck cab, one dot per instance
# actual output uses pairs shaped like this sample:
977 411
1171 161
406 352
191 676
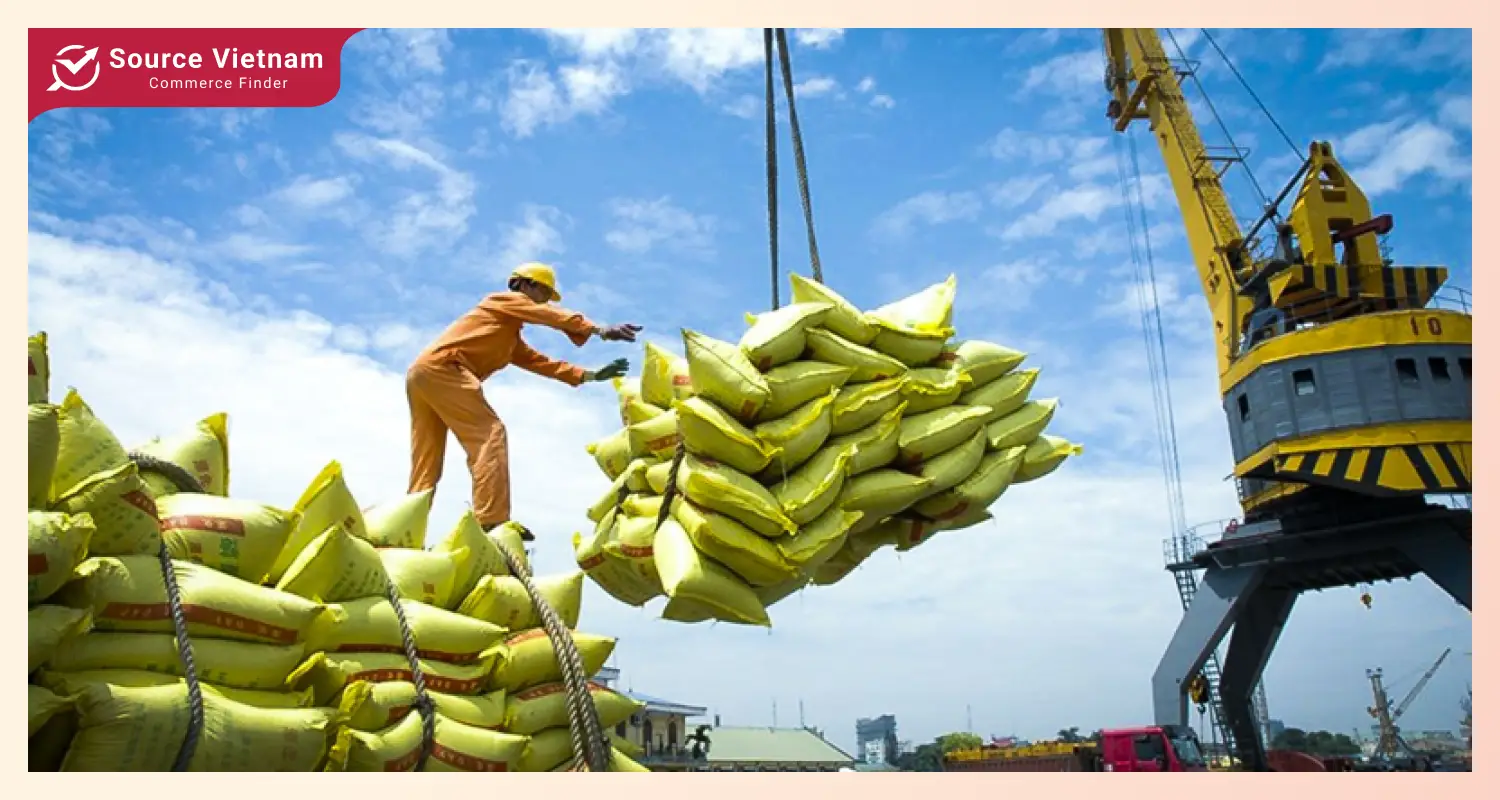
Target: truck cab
1162 748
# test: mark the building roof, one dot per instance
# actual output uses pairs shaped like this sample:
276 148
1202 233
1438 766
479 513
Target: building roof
865 766
666 706
772 745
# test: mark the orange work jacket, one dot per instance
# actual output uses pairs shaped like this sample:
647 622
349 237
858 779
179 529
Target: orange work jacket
488 338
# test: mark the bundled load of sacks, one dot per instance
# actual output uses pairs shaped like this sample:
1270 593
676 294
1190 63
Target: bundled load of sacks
297 645
823 435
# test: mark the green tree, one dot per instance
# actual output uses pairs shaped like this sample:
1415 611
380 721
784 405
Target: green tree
1316 743
949 742
926 758
1069 736
1291 739
1097 737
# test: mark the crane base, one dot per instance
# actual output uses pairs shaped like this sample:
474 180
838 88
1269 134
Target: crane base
1250 584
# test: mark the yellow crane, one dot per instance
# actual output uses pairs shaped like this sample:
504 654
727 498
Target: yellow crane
1346 393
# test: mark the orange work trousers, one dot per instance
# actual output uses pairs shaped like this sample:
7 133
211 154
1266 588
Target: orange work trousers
444 396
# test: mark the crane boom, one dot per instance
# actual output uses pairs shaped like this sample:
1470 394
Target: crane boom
1421 684
1145 86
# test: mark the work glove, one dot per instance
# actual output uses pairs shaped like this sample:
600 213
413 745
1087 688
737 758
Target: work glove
619 333
615 369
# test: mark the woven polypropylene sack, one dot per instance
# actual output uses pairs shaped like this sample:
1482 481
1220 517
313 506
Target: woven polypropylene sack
748 555
723 374
687 575
41 454
203 451
778 337
665 377
335 567
708 430
325 503
401 522
235 537
800 382
241 665
371 626
55 545
843 318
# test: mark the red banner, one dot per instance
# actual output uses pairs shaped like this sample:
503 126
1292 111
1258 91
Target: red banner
183 67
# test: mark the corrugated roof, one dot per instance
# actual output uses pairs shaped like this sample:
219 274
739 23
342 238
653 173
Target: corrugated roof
667 706
780 745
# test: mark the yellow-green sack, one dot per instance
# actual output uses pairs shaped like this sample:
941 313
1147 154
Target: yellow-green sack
502 600
38 370
41 706
980 490
474 555
748 555
328 674
981 361
874 446
708 431
124 514
72 683
721 373
656 437
882 492
1044 455
633 408
859 406
794 439
719 487
843 318
334 568
531 660
422 575
665 377
370 626
819 540
926 436
126 593
929 311
86 446
456 748
539 708
55 545
911 532
236 537
139 729
799 383
47 628
612 453
324 504
42 440
1023 426
1003 396
203 451
687 576
778 337
223 662
401 522
951 468
932 388
376 706
811 489
868 365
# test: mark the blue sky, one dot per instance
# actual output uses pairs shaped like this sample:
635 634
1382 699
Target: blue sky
284 265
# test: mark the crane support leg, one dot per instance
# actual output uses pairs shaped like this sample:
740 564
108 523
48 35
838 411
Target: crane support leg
1215 607
1262 616
1448 560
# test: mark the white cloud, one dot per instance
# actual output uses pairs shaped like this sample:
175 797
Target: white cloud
418 220
927 208
642 225
1088 157
232 122
883 101
1392 152
1069 75
818 38
1457 112
866 86
1087 202
404 52
1016 192
817 86
308 193
252 248
535 237
535 99
1417 50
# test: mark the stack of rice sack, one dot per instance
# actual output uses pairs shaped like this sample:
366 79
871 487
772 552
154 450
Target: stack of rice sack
105 688
823 435
297 645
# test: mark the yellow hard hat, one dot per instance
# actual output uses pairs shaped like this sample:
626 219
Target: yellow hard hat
540 273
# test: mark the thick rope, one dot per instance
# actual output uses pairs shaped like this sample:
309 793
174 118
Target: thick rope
591 749
670 492
185 482
791 110
771 169
424 704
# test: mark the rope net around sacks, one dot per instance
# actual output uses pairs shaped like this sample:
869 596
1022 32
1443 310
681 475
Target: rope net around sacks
590 746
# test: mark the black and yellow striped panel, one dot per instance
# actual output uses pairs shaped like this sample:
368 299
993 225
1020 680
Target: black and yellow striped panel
1304 284
1405 287
1383 471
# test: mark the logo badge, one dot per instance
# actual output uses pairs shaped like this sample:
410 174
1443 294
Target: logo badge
74 68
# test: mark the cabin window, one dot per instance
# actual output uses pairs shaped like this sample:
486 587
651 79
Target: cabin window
1244 401
1439 369
1464 366
1303 382
620 730
1406 371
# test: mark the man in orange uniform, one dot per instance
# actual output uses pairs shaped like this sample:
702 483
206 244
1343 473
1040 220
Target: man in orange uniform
443 385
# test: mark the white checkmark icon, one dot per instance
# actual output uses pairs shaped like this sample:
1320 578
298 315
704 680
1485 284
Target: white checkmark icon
74 66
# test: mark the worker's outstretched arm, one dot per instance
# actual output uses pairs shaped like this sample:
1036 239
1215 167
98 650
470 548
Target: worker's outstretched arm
527 358
578 327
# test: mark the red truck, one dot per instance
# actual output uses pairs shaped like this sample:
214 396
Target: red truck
1161 748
